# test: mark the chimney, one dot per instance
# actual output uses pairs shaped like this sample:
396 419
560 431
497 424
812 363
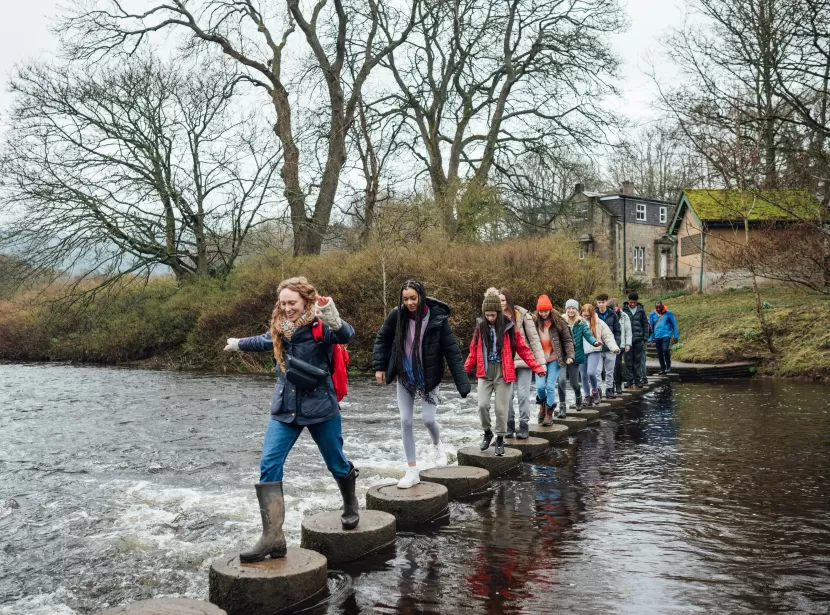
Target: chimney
628 188
579 188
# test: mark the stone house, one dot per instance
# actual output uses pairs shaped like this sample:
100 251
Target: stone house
708 224
627 230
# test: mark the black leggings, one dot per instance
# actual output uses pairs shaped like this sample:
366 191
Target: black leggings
569 372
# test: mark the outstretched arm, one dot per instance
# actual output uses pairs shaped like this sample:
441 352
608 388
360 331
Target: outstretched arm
452 352
524 351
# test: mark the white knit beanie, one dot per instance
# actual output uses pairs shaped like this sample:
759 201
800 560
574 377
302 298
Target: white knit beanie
571 303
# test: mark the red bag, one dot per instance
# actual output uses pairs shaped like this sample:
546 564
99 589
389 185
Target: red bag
339 364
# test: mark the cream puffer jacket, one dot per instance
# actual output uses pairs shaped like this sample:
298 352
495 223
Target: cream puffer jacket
605 335
526 326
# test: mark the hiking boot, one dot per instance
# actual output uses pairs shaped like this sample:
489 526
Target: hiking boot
597 400
563 411
609 394
272 509
548 421
541 416
350 517
578 404
485 441
499 446
510 434
523 433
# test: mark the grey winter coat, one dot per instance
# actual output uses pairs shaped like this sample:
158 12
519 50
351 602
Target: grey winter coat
289 405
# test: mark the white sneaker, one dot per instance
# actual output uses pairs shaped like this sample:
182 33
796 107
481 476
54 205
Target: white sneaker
440 455
412 477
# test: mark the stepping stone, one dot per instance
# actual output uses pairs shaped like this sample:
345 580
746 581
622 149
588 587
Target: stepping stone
529 447
572 422
589 414
324 533
601 409
473 456
459 480
263 588
553 433
411 507
166 606
617 401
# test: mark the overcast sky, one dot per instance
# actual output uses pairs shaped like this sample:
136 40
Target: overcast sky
24 34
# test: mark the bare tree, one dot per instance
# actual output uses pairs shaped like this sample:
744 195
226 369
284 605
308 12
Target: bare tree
730 55
658 160
483 82
256 35
128 170
537 188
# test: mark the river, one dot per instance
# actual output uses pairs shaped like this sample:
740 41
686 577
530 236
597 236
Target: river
121 484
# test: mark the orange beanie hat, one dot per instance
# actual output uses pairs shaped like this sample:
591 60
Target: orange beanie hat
543 304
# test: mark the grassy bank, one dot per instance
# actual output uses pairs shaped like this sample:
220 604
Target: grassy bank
723 327
185 326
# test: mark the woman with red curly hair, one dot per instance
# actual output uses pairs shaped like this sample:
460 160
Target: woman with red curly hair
304 397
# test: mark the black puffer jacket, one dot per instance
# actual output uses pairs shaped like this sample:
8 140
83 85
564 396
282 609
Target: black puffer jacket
439 344
639 323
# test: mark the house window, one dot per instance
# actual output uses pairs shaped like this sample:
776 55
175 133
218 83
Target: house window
639 258
641 212
664 215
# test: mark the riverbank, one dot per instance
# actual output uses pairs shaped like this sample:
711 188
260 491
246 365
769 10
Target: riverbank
723 327
164 325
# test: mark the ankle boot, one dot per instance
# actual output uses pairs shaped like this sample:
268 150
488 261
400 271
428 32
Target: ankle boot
350 517
541 416
548 417
485 442
499 446
272 509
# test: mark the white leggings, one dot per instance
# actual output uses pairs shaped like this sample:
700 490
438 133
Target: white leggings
406 405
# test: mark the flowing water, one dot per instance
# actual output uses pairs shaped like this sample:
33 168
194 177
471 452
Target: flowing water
118 485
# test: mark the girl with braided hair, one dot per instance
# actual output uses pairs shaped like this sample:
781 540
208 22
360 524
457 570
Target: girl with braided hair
412 346
304 397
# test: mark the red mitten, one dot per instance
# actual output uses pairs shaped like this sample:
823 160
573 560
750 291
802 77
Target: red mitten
321 301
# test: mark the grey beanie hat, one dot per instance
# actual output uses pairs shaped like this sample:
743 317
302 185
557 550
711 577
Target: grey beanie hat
571 303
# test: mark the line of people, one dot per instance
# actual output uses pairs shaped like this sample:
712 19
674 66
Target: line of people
413 348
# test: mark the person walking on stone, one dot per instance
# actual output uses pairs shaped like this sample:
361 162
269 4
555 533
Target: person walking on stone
608 358
634 375
523 321
304 397
580 332
665 334
494 342
593 352
558 348
625 341
413 346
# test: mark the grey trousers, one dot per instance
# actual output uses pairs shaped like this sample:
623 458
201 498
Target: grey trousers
406 405
493 383
524 378
608 361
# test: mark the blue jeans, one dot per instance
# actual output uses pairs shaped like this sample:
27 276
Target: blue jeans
280 438
546 387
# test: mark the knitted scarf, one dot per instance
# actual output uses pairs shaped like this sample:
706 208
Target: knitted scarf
287 328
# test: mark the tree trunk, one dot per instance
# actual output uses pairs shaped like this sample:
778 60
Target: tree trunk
759 308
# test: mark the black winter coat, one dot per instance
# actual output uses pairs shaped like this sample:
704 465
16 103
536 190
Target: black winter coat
439 344
613 321
639 323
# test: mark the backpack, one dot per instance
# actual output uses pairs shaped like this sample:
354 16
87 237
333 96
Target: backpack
338 364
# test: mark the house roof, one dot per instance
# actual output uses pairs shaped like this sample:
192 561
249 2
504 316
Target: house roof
721 205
